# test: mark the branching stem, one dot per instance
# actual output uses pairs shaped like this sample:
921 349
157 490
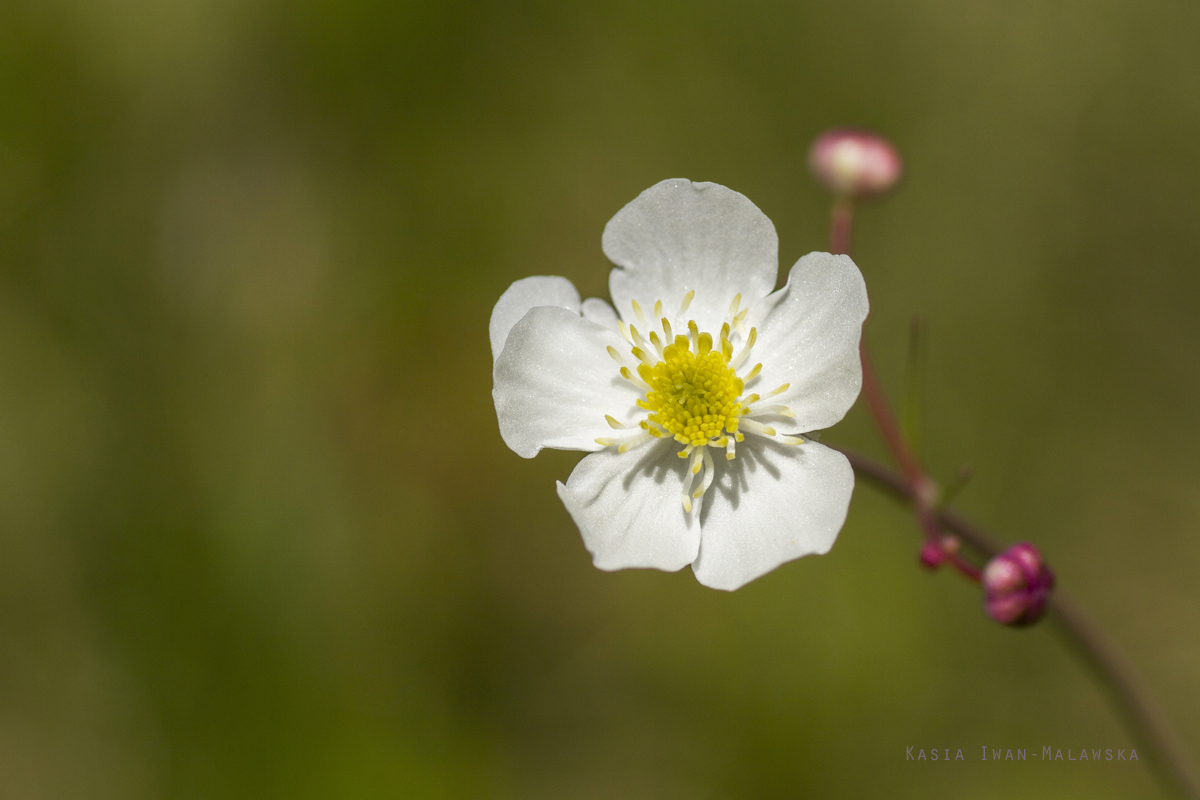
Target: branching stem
1097 652
1099 655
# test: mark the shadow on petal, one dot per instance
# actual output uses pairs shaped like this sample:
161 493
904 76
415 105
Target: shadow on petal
658 462
754 456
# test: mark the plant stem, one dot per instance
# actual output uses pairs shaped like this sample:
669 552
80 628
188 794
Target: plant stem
924 490
841 225
1084 638
1133 702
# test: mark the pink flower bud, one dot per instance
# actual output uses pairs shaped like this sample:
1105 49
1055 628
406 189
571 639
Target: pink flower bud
932 554
1016 585
935 553
853 163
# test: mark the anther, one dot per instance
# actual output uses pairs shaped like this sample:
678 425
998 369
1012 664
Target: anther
687 301
640 354
637 312
687 482
781 410
636 441
750 340
733 307
753 426
628 375
654 340
709 473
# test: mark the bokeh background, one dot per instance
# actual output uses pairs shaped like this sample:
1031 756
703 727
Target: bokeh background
259 536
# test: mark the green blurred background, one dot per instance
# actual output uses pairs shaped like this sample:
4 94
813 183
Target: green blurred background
259 536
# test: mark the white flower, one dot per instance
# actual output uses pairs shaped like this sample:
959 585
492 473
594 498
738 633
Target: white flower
696 391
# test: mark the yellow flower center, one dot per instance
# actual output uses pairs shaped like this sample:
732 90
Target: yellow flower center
693 392
694 396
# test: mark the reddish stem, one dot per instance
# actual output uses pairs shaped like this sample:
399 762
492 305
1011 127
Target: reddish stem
840 230
841 226
1117 675
1099 654
881 410
968 570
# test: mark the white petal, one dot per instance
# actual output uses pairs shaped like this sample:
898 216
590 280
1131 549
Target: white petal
808 334
554 382
679 236
627 507
527 293
599 312
772 504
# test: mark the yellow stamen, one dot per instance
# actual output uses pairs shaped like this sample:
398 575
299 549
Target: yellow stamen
687 301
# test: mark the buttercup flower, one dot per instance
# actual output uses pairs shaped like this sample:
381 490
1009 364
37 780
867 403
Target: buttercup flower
696 395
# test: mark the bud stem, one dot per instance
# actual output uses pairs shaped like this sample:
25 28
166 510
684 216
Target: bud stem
1099 655
924 489
841 225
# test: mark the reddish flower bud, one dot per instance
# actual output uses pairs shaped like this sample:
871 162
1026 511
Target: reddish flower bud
853 163
932 554
1016 585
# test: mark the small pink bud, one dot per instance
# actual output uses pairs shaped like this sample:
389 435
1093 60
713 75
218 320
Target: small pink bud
932 554
854 163
1016 585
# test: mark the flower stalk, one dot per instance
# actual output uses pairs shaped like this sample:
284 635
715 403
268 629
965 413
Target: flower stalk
924 489
1099 655
1135 706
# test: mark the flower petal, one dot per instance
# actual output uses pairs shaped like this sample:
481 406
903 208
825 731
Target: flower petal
808 334
527 293
771 504
679 236
599 312
554 381
627 507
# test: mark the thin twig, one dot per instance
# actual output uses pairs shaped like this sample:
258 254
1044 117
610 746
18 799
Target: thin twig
1085 639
